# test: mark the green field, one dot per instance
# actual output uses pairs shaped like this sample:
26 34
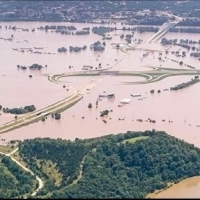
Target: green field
133 140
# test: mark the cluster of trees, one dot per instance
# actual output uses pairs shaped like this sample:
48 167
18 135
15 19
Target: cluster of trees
134 170
89 105
187 41
36 67
62 49
15 182
184 30
152 91
97 46
82 32
58 27
101 30
64 30
19 111
127 165
77 49
128 38
182 43
65 154
195 54
107 38
187 84
103 113
32 67
72 49
142 29
57 116
190 22
86 28
67 30
186 46
21 67
128 29
165 41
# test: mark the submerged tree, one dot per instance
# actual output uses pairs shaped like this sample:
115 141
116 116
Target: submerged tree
89 105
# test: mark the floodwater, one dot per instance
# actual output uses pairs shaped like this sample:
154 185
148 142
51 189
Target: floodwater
188 188
18 90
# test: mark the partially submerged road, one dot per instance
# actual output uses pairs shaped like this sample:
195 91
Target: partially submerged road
153 75
39 114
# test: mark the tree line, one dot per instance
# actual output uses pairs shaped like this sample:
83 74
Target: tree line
115 166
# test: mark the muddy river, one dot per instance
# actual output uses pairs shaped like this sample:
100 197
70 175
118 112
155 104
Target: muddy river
188 188
18 90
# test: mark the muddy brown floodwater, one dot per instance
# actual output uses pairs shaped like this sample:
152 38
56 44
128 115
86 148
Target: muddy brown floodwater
188 188
18 90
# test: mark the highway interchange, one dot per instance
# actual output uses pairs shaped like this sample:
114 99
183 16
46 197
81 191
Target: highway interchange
153 75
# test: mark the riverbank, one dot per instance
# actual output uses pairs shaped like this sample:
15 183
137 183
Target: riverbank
188 188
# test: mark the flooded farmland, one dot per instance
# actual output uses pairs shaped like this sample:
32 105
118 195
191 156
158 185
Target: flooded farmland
175 112
18 90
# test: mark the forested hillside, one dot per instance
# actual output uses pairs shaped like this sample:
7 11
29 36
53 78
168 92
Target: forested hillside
14 181
57 161
127 165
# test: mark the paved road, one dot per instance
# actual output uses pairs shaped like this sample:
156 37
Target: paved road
39 114
34 116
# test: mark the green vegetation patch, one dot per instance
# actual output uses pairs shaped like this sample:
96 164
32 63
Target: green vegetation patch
52 109
6 149
133 171
133 140
19 111
129 165
51 170
17 157
14 181
7 181
62 156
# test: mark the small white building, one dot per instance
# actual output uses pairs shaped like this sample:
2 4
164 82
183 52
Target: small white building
125 101
136 95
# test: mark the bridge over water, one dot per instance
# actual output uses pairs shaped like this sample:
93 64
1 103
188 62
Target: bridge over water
164 29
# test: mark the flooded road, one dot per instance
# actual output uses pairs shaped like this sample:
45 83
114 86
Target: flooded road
18 90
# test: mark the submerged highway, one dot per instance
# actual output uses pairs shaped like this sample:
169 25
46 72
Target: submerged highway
153 75
150 76
42 113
